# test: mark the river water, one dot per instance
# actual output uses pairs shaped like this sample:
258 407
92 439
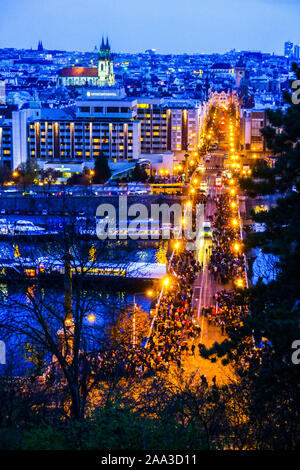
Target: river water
109 296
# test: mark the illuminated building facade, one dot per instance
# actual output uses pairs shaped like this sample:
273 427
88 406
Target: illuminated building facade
100 76
251 122
169 125
104 120
5 143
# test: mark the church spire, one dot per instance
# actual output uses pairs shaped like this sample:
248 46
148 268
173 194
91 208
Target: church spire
106 75
102 47
107 46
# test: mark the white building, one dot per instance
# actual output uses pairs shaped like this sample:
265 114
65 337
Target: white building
2 92
100 76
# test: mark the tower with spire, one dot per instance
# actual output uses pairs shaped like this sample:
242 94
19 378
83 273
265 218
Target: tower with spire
105 64
40 47
101 75
240 69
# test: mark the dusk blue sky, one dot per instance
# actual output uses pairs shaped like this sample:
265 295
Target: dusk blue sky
173 26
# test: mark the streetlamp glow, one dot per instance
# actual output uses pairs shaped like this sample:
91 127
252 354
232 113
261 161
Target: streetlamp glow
236 247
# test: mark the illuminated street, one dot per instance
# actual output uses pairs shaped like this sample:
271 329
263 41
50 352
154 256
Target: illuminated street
149 230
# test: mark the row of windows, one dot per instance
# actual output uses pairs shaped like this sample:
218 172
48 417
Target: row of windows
108 109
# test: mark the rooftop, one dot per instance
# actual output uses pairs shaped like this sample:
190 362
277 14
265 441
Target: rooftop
79 72
221 65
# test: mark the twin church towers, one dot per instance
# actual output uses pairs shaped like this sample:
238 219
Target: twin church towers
100 76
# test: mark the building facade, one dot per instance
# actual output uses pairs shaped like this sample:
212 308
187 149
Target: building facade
100 76
251 123
103 121
6 147
2 92
297 51
169 125
154 121
288 49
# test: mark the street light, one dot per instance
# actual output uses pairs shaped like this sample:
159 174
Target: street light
240 282
236 247
91 318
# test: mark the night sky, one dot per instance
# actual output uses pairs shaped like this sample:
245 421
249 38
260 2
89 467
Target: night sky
173 26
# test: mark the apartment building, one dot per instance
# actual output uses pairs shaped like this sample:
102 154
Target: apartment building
252 141
169 125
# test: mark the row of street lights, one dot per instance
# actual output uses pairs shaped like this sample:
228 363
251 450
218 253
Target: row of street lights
236 246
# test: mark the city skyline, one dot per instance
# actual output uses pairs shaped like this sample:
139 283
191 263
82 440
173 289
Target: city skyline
133 27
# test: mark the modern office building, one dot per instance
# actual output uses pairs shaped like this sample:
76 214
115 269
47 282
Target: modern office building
169 125
103 120
288 49
154 121
297 51
185 124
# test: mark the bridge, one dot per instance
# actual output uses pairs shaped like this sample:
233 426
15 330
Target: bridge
45 268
